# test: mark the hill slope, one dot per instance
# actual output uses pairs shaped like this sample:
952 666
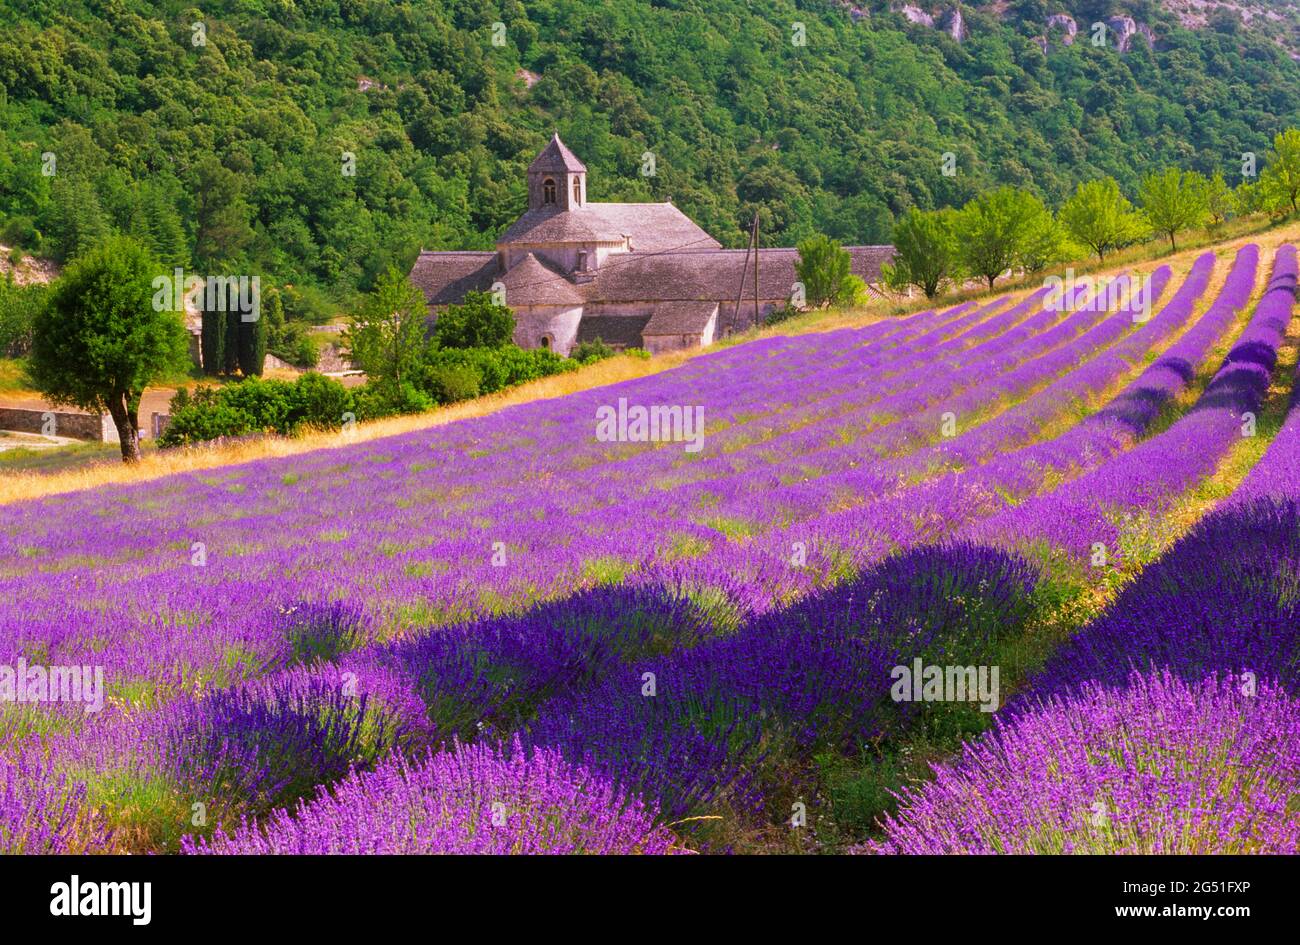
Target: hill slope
221 137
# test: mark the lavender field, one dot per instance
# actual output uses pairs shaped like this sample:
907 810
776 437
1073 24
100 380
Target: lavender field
541 631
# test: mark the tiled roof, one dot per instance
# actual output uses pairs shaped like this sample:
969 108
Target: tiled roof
557 225
531 282
615 330
557 158
653 227
713 275
680 318
445 277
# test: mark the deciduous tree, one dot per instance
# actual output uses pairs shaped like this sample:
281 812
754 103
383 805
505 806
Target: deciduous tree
925 252
1101 218
1174 200
100 341
386 337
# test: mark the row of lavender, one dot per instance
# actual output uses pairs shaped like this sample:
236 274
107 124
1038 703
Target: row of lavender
972 499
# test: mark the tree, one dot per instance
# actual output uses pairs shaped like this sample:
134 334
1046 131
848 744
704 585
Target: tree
75 221
1101 218
100 341
1221 201
251 343
1042 242
992 232
386 336
1174 200
157 224
477 322
19 305
925 252
222 229
212 341
1279 184
824 268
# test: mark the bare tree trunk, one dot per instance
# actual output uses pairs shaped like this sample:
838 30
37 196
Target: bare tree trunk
125 418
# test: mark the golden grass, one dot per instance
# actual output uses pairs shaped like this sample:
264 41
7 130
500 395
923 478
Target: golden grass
155 465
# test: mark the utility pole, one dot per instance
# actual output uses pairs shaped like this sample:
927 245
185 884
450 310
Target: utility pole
744 270
756 318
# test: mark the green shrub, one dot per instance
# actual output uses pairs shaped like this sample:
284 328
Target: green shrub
589 352
20 231
449 383
255 406
497 368
782 314
320 402
204 415
477 322
376 400
269 403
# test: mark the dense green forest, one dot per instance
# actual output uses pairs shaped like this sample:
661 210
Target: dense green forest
220 135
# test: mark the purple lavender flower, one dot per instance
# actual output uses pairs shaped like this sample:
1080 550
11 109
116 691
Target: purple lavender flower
1219 601
41 809
468 799
1159 766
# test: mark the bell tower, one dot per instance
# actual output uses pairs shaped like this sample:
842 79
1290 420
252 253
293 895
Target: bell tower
557 180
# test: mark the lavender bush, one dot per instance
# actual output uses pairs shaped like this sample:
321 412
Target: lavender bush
1160 766
469 799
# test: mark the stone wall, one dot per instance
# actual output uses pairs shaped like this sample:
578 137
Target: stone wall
661 344
75 426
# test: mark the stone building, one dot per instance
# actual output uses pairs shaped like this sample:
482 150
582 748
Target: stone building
631 274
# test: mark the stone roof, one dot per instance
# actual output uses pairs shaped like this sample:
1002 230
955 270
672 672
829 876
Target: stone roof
557 158
680 318
713 275
615 330
531 282
653 227
445 277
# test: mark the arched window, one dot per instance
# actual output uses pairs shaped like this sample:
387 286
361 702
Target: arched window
582 260
548 190
546 341
577 192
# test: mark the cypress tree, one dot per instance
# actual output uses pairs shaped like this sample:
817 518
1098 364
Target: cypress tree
252 347
212 341
232 337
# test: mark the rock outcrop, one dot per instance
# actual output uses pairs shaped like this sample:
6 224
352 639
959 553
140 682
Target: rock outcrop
1125 28
1066 24
954 24
915 15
